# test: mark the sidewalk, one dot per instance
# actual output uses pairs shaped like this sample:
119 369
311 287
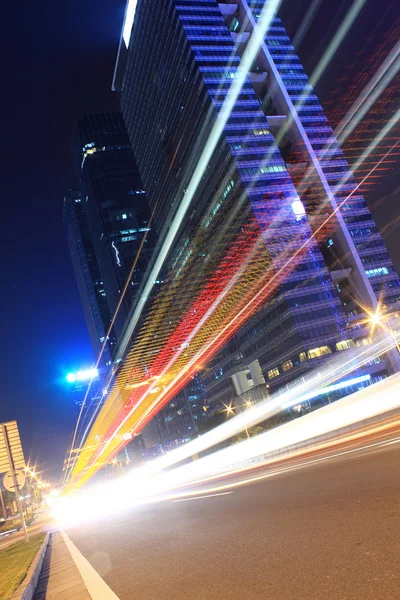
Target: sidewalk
60 578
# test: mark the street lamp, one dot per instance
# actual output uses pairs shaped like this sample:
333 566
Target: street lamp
378 318
229 409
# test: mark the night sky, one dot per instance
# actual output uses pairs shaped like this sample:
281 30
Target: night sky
57 65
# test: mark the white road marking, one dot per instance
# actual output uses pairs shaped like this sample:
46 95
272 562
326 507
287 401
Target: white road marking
201 497
96 586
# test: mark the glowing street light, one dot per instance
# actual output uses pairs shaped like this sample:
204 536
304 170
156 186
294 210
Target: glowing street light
381 319
83 375
229 409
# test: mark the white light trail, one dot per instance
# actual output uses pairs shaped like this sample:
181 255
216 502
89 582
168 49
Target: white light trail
256 39
144 485
379 82
249 56
251 51
336 41
306 22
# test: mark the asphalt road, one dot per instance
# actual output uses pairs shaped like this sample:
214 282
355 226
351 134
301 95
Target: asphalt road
330 529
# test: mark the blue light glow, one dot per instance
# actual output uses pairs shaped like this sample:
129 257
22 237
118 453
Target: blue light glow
83 375
335 387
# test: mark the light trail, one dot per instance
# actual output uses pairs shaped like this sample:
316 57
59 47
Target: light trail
336 41
69 468
190 498
346 24
379 82
322 65
145 485
306 22
378 50
208 348
332 371
267 15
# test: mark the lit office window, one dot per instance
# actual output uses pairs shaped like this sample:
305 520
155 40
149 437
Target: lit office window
317 352
273 373
344 344
375 272
287 365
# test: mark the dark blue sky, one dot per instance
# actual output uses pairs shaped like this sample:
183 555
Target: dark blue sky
58 60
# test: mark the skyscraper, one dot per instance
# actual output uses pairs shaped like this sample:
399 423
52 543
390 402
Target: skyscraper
88 277
115 206
112 240
277 160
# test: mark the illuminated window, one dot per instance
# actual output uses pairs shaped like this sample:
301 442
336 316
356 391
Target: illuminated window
303 356
287 365
234 26
362 342
273 373
344 344
321 351
261 131
272 169
376 272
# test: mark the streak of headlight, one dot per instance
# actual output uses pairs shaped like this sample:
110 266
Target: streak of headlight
144 485
267 15
324 62
332 371
305 24
379 82
358 407
239 315
199 355
237 84
365 404
382 134
336 41
83 405
329 373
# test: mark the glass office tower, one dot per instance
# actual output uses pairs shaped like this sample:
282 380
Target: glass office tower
277 161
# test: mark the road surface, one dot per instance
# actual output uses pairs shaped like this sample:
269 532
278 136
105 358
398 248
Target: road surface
327 529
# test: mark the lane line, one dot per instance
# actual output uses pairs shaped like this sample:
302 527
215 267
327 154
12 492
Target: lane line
201 497
96 586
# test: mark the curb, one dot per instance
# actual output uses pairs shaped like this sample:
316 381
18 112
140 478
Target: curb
27 588
4 534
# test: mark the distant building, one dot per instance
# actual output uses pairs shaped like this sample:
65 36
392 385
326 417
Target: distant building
115 206
175 66
88 277
111 241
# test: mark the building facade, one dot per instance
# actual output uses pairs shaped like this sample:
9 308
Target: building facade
88 277
112 241
277 160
